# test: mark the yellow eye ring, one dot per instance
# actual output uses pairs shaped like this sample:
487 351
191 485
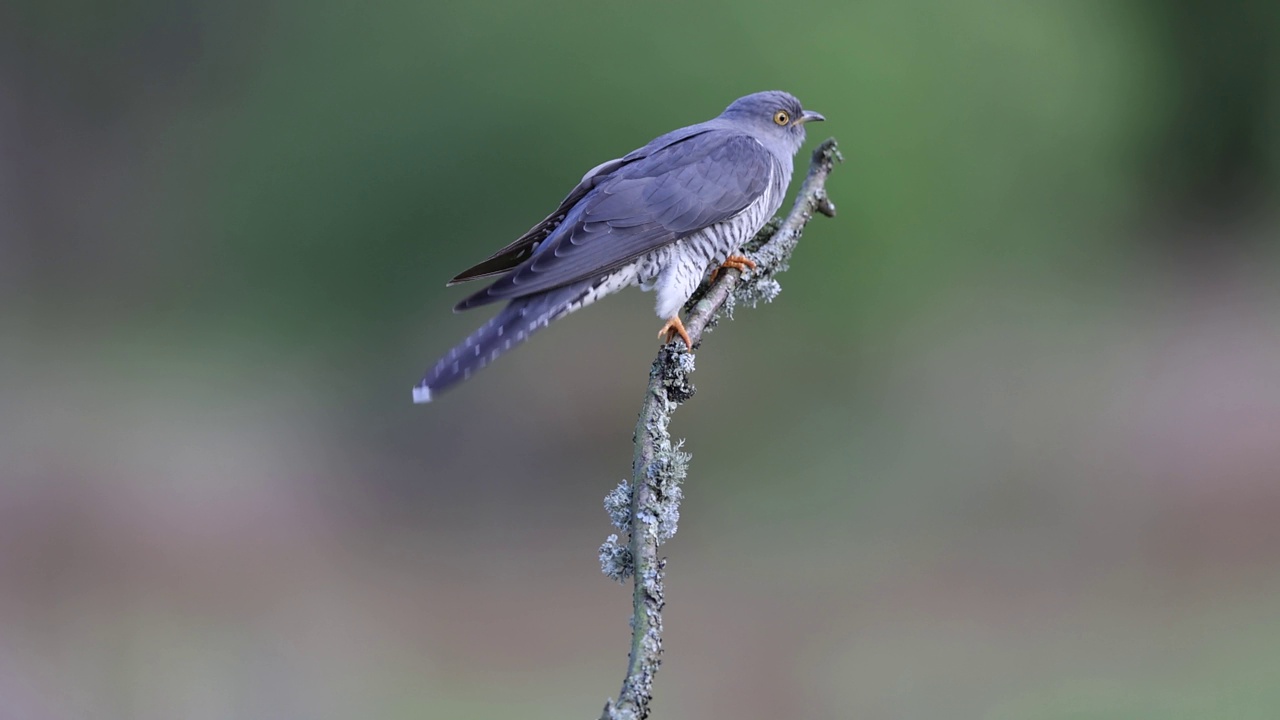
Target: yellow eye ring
781 117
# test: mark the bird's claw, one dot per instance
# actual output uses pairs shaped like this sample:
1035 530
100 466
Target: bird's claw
673 329
741 263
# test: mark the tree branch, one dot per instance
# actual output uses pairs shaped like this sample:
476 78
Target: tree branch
648 508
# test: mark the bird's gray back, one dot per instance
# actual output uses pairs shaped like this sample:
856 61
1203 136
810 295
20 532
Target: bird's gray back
686 186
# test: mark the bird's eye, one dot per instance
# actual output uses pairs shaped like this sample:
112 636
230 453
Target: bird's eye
782 117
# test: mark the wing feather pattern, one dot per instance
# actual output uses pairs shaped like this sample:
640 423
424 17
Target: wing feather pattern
525 245
641 205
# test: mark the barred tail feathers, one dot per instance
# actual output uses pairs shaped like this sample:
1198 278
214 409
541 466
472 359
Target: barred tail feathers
511 326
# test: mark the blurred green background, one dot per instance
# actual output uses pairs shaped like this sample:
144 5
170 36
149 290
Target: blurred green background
1007 445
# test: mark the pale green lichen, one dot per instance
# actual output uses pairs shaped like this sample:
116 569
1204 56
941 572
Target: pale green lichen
669 469
618 504
753 294
615 560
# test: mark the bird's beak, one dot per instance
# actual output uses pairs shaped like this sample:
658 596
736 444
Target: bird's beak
810 116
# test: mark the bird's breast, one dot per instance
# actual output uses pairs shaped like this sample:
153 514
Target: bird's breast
710 246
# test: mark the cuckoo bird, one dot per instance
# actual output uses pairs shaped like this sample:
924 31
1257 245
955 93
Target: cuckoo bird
659 217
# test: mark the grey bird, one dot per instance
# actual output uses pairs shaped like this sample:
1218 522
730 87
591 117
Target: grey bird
659 217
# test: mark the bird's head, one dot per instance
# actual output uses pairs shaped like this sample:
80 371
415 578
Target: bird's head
772 115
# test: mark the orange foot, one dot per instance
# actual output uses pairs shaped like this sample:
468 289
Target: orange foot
673 329
741 263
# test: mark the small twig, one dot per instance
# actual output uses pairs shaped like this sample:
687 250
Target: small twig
648 508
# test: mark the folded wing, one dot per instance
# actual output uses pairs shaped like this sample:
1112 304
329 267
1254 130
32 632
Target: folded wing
648 202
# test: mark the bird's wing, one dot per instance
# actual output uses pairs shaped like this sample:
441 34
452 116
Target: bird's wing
520 249
525 245
653 201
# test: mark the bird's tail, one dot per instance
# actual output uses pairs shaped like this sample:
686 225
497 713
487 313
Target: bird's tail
510 327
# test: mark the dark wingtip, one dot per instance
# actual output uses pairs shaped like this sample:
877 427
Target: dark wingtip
504 261
468 275
476 300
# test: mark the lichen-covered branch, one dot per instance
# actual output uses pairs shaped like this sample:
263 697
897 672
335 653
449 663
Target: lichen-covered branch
648 507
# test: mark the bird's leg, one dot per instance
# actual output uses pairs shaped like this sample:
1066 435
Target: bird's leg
741 263
673 329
